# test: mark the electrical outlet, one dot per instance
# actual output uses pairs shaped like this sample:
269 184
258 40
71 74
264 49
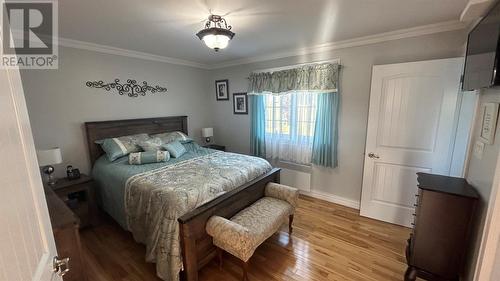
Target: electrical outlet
479 149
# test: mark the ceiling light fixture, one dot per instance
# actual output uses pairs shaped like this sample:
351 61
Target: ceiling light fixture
216 34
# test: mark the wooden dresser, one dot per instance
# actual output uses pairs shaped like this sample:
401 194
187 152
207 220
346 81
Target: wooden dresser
444 211
65 226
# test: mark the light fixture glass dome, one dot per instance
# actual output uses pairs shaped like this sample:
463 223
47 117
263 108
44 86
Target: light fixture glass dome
216 42
216 34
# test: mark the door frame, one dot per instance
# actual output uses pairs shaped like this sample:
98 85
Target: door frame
464 151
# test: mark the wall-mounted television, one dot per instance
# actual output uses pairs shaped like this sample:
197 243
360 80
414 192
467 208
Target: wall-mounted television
482 59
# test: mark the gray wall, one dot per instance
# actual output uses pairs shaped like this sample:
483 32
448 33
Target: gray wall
59 102
345 180
480 174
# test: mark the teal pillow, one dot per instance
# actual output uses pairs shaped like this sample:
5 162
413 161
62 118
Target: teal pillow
173 136
175 148
152 144
147 157
121 146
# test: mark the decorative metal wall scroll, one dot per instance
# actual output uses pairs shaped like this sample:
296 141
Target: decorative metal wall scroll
131 88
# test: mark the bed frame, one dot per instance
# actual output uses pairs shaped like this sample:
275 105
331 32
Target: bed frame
196 244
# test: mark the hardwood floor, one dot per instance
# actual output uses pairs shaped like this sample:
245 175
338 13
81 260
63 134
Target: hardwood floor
329 242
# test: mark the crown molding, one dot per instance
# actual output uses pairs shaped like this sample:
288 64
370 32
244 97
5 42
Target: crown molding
476 9
127 53
355 42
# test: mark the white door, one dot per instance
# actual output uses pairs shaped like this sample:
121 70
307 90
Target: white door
411 128
26 242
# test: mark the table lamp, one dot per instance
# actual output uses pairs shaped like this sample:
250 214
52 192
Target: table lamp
47 158
207 133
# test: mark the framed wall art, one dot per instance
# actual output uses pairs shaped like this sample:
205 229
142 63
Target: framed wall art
222 89
240 103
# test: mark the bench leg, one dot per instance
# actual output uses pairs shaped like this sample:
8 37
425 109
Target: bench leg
290 222
244 265
219 255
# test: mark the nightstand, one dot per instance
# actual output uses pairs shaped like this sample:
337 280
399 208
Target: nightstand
65 225
216 147
79 196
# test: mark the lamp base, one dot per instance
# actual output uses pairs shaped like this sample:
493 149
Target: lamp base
48 170
207 140
52 181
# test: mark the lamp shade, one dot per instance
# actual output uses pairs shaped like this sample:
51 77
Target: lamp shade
216 42
49 156
207 132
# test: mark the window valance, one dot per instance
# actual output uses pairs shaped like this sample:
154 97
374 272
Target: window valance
322 78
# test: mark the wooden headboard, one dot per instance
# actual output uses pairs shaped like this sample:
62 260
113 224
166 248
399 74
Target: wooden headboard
117 128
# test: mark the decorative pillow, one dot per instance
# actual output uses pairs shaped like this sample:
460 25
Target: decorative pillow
152 144
147 157
121 146
175 148
173 136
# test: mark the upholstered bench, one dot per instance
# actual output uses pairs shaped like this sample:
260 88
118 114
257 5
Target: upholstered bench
245 231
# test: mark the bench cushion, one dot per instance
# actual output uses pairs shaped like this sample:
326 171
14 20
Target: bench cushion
241 235
283 192
264 217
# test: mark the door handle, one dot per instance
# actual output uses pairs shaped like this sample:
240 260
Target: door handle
60 265
373 155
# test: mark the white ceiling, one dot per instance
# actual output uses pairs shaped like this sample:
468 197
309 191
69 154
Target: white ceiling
167 28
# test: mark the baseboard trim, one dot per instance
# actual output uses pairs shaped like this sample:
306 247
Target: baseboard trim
333 199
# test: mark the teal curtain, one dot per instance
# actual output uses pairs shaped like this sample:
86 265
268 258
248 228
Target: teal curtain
324 151
258 126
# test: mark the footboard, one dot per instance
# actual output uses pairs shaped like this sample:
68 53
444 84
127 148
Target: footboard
197 248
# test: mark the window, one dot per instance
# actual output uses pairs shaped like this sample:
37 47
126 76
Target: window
290 123
294 114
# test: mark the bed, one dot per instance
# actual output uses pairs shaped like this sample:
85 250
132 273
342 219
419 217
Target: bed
166 206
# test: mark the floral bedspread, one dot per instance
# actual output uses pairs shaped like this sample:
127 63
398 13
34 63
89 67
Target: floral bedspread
154 200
